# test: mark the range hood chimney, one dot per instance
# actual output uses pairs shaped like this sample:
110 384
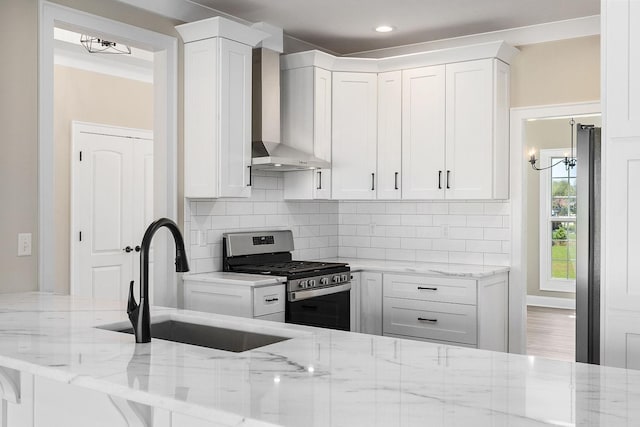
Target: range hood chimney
268 152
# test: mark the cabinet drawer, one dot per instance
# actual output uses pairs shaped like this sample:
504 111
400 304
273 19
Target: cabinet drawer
216 298
430 320
438 289
267 300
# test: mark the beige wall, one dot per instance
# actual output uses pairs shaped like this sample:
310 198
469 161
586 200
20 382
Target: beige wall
95 98
566 71
19 141
19 124
543 134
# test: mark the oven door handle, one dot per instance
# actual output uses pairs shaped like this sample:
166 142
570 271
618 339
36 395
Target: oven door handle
311 293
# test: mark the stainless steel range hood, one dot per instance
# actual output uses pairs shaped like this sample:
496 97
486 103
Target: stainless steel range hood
268 152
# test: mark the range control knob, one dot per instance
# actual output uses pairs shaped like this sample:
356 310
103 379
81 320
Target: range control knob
324 281
304 284
312 283
336 279
344 278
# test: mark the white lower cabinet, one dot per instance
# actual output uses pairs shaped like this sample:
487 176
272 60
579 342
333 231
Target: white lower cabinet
266 303
370 303
451 310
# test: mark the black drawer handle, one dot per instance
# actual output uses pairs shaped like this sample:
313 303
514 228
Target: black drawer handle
249 184
422 288
319 187
396 181
373 181
439 180
271 300
448 176
422 319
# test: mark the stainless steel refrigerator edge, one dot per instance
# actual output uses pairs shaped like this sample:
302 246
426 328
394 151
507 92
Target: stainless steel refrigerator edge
588 245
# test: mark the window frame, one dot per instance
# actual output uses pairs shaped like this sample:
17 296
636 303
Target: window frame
546 282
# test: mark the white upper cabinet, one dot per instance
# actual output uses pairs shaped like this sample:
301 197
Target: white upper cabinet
217 108
354 135
389 174
455 123
476 138
306 125
423 133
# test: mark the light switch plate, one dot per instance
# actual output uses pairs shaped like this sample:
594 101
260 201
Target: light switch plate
24 244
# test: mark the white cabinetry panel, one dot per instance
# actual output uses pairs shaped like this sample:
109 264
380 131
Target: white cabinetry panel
371 303
620 282
423 132
469 135
354 131
217 118
306 125
389 135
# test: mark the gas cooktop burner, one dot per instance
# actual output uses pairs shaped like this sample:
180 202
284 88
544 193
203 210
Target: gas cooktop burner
290 268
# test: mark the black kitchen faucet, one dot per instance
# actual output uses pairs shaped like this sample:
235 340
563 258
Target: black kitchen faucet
139 313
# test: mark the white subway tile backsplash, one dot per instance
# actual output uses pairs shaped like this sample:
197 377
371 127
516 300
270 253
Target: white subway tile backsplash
466 258
416 220
434 208
432 256
420 244
466 208
475 233
462 232
385 242
497 234
484 221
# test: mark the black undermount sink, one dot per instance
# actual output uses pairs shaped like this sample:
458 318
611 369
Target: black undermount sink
206 336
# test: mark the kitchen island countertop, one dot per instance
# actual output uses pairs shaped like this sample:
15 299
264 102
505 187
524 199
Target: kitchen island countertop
318 377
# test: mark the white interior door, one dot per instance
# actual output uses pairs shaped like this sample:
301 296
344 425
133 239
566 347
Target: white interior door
112 182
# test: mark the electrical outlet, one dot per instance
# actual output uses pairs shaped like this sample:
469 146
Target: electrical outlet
24 244
445 230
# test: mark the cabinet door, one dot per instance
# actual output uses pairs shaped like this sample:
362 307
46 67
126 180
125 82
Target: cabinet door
235 119
371 303
201 128
322 131
389 134
354 118
423 133
469 155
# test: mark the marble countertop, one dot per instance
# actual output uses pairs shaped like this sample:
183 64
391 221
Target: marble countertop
241 279
318 378
458 270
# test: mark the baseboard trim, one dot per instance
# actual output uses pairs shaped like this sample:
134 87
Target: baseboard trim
551 302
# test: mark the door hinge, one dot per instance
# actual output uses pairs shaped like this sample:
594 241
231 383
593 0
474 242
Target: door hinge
80 235
80 155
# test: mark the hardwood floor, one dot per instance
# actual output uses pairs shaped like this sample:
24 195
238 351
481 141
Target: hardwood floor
551 333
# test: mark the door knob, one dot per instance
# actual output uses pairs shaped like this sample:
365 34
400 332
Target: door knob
138 248
128 249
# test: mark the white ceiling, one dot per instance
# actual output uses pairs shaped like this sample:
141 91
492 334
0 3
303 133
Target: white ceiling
346 26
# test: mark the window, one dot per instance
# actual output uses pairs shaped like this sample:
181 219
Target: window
557 223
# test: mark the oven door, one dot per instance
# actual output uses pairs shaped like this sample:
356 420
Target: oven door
324 307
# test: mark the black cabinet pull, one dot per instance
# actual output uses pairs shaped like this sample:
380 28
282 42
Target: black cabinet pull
422 319
249 184
373 181
439 180
319 187
448 173
396 180
271 300
426 288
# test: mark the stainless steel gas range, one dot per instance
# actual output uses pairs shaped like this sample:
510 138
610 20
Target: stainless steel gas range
318 293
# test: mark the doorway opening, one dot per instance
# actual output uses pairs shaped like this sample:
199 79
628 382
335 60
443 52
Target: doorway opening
165 200
542 305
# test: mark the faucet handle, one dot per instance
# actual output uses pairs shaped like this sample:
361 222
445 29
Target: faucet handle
132 305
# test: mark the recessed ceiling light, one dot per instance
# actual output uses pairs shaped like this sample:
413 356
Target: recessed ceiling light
384 28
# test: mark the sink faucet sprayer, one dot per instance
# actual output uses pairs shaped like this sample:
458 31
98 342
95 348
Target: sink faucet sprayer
139 313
